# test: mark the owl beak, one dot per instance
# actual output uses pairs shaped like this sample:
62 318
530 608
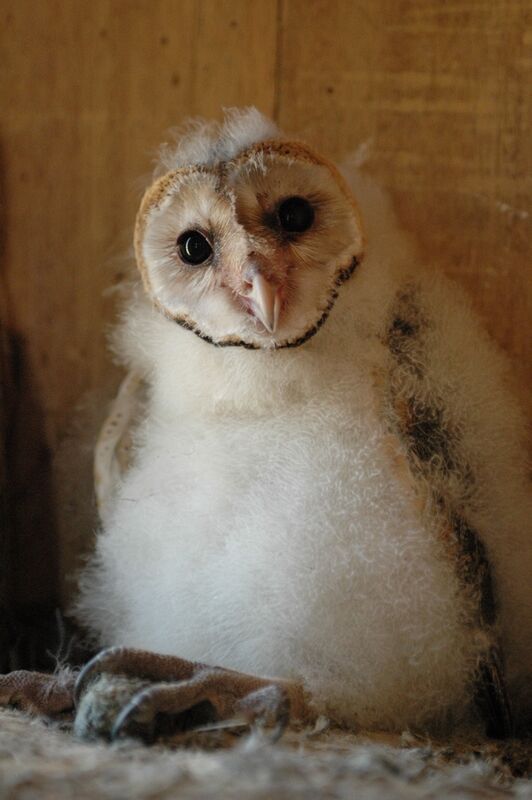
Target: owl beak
265 301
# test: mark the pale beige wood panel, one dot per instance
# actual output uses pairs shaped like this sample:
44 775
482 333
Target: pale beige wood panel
236 56
90 88
440 94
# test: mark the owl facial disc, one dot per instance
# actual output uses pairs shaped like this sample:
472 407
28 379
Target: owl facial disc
249 251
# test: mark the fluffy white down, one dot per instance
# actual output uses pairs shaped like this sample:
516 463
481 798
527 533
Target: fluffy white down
264 525
200 141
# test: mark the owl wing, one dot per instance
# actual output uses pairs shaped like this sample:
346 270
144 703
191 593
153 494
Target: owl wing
113 451
428 424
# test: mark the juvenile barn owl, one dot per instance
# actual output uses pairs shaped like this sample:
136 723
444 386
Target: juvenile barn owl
327 493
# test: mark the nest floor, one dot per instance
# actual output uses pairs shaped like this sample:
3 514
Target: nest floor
46 761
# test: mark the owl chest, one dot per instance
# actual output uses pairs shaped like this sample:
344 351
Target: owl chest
252 531
214 482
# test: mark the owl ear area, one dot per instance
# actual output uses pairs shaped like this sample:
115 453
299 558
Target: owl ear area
192 245
292 152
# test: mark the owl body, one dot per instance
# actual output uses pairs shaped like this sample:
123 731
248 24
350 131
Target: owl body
348 509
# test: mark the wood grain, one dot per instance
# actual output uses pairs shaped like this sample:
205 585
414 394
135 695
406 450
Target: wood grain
438 93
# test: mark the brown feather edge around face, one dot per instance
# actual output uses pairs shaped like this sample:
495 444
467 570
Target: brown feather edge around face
288 149
429 447
342 276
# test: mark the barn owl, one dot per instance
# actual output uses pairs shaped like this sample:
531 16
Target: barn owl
313 486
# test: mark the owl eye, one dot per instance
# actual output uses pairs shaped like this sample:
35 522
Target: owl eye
295 215
194 248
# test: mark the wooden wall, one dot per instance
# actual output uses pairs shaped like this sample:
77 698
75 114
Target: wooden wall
437 91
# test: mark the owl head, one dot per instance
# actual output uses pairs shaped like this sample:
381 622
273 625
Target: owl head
246 237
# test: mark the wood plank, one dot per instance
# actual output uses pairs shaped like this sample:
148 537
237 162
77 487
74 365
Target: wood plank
440 94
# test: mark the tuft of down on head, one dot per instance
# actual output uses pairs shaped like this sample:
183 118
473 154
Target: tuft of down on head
245 237
200 142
